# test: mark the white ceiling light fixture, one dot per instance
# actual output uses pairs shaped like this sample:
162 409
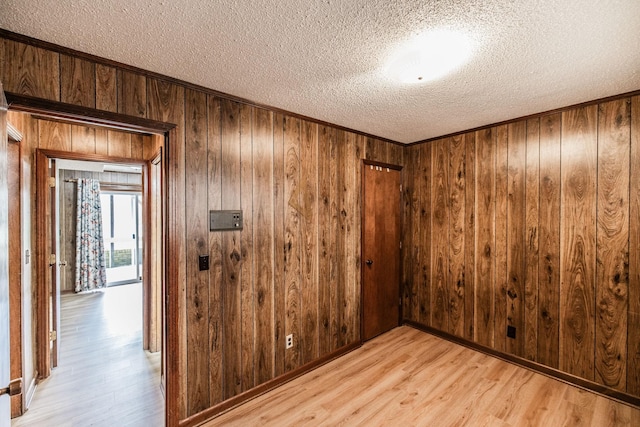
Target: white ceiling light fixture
430 56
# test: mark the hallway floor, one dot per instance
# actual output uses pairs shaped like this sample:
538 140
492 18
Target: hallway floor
103 378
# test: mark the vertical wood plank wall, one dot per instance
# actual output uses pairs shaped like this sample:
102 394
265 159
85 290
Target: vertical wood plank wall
555 238
531 224
295 266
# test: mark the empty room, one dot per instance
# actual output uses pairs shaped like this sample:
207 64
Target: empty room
416 213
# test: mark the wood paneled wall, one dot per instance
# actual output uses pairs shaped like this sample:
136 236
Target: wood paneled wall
295 266
533 225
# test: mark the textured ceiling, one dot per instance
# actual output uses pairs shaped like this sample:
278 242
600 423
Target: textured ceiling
326 59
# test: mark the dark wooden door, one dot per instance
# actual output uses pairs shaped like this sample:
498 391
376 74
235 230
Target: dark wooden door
380 249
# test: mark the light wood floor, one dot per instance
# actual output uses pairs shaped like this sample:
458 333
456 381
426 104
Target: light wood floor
409 378
103 378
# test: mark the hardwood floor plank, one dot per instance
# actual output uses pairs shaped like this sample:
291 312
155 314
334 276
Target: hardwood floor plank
410 378
103 372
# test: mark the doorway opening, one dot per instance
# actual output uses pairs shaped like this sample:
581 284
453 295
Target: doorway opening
36 347
136 203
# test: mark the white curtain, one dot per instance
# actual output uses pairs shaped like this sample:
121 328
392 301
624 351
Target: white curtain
90 262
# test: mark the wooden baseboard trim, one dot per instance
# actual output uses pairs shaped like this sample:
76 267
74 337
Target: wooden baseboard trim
605 391
220 408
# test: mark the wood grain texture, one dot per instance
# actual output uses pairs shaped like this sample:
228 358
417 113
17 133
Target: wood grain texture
577 241
246 248
469 237
119 144
354 153
15 271
336 246
132 94
395 154
166 102
54 135
42 293
485 244
532 233
612 259
407 377
549 241
5 291
106 87
457 215
95 140
234 343
159 99
501 235
231 251
31 71
633 327
409 225
67 200
154 288
339 327
516 227
309 241
77 81
292 239
279 244
263 241
440 277
138 142
422 248
102 141
83 139
111 324
198 241
214 196
380 244
326 234
375 149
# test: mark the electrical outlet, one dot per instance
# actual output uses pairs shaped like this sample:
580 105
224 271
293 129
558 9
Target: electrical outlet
289 341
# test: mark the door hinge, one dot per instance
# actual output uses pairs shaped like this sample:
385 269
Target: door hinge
52 260
400 245
53 335
52 181
401 188
400 301
14 388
